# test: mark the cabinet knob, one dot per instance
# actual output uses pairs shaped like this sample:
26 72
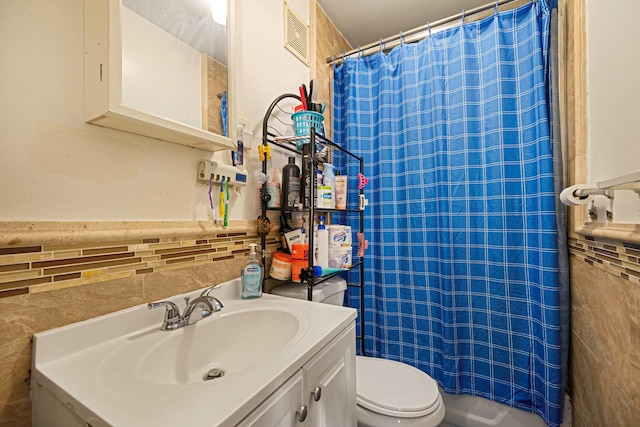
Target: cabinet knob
301 412
317 393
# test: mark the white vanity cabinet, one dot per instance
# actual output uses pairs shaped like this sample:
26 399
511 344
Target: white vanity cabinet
322 393
122 370
281 409
330 383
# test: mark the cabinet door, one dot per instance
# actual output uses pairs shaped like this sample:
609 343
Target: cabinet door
330 383
281 409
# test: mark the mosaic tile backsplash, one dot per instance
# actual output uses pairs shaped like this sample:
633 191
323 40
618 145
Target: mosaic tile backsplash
44 267
619 259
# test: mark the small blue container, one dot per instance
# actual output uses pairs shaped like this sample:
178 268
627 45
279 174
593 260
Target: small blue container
302 123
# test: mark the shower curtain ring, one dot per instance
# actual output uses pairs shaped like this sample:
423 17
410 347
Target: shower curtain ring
462 18
497 4
381 46
429 28
401 38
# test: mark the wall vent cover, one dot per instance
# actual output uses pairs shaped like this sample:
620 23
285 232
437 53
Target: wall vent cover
296 34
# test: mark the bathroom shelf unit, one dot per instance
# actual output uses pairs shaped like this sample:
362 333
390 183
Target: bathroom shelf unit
315 140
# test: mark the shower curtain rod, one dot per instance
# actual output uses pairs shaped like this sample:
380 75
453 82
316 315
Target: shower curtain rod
393 41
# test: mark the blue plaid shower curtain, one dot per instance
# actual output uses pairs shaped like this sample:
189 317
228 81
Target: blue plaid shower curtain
461 274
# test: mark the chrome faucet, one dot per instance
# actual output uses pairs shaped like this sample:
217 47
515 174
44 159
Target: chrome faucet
196 310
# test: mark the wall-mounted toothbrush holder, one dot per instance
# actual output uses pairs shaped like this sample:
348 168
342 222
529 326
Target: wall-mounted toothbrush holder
208 170
581 194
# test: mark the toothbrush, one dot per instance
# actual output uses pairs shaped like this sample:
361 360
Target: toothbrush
213 208
222 210
226 205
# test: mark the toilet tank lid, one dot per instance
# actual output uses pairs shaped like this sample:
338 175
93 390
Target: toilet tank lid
395 389
321 291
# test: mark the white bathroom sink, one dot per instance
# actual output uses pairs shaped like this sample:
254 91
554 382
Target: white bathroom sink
122 370
228 343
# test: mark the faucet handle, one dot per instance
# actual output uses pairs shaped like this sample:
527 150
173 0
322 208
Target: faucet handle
207 291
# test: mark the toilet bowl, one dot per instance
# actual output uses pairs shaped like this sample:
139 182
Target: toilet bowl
389 393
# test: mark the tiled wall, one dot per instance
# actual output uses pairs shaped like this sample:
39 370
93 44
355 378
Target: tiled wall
604 367
328 41
605 333
619 259
55 274
45 267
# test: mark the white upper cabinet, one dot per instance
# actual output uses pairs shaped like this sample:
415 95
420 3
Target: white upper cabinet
162 69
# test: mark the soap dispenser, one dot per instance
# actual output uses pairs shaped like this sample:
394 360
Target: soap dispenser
252 274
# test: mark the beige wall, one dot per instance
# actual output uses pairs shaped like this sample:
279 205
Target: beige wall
604 365
612 43
605 346
59 168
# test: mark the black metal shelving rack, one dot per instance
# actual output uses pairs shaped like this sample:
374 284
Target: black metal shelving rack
289 144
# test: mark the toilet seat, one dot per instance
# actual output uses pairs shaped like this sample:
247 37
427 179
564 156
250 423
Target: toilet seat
395 389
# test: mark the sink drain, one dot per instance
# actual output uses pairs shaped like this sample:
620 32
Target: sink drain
213 374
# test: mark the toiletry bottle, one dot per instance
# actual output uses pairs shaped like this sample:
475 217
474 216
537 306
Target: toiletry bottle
341 191
306 183
273 188
322 251
252 275
290 184
323 271
284 229
318 184
329 180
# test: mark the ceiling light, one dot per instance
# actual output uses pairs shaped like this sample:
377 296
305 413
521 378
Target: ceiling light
219 11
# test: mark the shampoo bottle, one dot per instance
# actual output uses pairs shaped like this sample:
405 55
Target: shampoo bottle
290 184
252 274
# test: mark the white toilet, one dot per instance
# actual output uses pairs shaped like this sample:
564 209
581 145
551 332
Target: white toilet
389 393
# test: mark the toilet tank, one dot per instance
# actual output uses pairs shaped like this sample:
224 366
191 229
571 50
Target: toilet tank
328 292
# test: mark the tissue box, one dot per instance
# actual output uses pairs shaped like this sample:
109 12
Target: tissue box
339 235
